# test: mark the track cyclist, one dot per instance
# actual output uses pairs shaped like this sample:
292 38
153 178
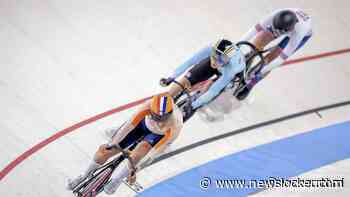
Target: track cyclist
292 26
223 60
156 125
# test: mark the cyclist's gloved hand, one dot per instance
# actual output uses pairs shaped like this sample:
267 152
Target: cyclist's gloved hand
132 177
166 81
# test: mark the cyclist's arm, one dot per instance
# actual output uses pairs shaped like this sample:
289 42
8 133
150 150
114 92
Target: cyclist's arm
250 34
254 31
213 91
235 66
288 51
260 29
131 123
200 55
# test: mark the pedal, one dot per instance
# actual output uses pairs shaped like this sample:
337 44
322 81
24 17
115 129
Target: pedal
136 187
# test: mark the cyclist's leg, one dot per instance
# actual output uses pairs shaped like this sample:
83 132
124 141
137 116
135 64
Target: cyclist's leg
273 54
109 133
102 155
282 45
136 155
198 73
303 42
176 89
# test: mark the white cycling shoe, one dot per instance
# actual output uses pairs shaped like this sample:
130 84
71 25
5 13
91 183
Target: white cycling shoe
112 186
72 183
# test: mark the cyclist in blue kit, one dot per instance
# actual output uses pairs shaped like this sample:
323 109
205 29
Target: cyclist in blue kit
224 60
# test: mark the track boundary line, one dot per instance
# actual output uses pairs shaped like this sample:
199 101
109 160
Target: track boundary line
248 128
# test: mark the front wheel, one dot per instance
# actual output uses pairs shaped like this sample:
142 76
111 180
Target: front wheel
96 186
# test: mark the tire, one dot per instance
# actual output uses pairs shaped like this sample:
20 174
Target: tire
96 186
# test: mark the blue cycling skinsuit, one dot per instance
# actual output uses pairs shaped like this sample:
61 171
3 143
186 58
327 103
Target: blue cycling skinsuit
201 70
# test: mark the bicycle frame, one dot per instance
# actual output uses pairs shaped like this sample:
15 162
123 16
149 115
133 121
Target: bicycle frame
249 68
94 184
